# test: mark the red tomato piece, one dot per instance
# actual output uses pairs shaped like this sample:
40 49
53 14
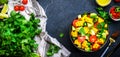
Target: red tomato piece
22 8
93 38
24 1
74 23
16 8
81 39
115 16
118 14
95 47
112 9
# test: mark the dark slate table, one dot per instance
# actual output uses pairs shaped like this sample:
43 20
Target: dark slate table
60 15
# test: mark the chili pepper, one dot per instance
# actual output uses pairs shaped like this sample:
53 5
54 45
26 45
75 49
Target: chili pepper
117 0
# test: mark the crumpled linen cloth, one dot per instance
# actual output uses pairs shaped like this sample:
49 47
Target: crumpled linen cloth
44 37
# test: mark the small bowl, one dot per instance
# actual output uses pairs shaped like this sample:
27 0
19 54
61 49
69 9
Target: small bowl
102 2
81 48
110 13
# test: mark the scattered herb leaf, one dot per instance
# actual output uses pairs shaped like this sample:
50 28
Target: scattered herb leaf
61 35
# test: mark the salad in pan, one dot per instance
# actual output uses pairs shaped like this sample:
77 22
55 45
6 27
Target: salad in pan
89 32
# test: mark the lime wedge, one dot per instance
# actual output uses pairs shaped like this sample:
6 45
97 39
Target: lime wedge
5 9
3 15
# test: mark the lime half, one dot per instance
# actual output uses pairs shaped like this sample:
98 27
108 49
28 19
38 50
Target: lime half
103 2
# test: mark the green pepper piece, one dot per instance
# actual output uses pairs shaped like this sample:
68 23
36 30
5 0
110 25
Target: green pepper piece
93 15
117 9
82 31
73 38
85 24
104 35
89 44
98 35
88 49
102 24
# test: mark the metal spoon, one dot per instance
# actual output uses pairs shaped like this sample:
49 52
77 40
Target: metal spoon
112 40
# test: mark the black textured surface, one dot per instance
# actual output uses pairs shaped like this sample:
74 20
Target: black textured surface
60 15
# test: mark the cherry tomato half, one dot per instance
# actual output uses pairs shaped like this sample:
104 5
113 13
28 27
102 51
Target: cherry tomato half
112 10
16 8
81 39
24 1
22 8
74 23
93 38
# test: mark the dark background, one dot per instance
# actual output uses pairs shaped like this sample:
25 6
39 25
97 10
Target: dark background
60 14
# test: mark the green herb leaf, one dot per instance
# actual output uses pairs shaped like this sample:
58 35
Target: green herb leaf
61 35
17 36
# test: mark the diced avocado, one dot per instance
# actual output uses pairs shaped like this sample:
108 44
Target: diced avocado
79 16
87 38
99 35
73 28
103 35
89 24
92 32
77 29
93 15
88 49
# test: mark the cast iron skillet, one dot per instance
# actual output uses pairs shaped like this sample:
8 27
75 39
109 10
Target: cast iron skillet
82 49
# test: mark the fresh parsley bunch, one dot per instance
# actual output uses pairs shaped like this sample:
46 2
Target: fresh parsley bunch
17 36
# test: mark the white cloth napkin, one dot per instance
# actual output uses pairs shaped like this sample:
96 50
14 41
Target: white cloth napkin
44 37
